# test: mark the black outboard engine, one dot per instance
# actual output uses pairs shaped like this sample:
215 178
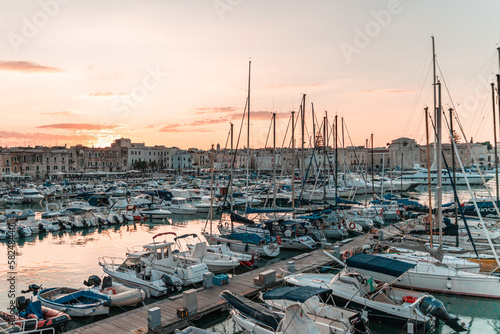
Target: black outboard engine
172 283
430 305
22 303
93 281
107 282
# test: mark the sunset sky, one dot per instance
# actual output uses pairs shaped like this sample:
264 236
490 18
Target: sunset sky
175 73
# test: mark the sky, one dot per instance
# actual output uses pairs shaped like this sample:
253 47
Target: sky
175 73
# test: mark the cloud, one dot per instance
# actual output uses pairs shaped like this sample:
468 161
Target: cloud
215 110
104 94
77 126
389 91
61 113
172 128
27 66
294 86
34 136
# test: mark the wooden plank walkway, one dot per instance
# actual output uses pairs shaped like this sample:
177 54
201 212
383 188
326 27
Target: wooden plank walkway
135 321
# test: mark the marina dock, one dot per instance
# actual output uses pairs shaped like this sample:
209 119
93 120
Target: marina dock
135 321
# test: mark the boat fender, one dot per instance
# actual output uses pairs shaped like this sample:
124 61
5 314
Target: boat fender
448 283
398 212
246 248
347 254
409 299
352 226
278 239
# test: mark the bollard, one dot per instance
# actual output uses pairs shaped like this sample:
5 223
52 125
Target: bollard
154 318
336 252
290 267
208 280
190 300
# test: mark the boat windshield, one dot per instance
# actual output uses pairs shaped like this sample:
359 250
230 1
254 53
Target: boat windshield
129 263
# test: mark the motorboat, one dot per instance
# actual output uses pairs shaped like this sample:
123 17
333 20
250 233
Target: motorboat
246 260
119 294
197 251
247 243
131 213
19 214
31 195
192 330
74 302
180 206
32 316
314 302
131 272
382 302
420 176
155 213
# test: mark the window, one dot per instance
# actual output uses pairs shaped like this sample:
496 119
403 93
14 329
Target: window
103 164
63 168
24 158
55 159
90 155
48 168
111 164
37 158
15 158
55 167
62 159
95 154
37 168
90 164
95 164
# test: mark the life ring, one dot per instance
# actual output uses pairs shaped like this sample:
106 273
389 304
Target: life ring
426 219
398 212
480 225
352 226
347 254
278 239
409 299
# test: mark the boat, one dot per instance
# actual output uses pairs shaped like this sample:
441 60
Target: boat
420 176
131 213
383 302
192 330
246 260
155 213
314 302
180 206
130 272
74 302
120 294
31 195
31 315
197 251
258 319
247 243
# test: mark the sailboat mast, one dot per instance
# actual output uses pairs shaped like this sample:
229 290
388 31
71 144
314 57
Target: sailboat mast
303 153
274 159
495 138
325 175
431 225
230 190
248 132
454 174
439 168
373 172
293 159
336 156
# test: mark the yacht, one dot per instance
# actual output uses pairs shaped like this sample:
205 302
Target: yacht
31 195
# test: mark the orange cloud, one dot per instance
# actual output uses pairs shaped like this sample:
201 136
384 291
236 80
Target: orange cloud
172 128
390 91
215 110
61 113
77 126
26 66
35 136
104 94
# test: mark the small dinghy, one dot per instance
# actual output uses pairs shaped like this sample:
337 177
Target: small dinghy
120 294
75 302
32 315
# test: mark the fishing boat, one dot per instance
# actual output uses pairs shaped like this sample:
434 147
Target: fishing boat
120 294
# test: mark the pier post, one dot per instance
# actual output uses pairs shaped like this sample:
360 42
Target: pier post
290 267
336 252
190 300
154 318
208 280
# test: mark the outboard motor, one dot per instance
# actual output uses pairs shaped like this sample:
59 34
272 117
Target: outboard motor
432 306
22 303
107 282
93 281
171 282
32 288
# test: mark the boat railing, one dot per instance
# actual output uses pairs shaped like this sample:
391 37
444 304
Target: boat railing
21 323
105 261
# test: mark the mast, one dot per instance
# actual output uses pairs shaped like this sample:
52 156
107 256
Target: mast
434 85
293 159
431 225
212 188
336 156
453 168
324 159
439 175
495 138
303 153
274 159
248 131
230 190
373 172
498 92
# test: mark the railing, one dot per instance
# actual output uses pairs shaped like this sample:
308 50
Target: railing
21 323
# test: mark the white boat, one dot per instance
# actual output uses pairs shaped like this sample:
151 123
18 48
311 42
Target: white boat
31 195
130 272
245 243
180 206
155 213
421 177
132 214
120 295
75 302
427 276
12 199
197 251
383 302
204 205
247 260
192 330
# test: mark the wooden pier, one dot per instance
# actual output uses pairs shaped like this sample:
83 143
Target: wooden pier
135 321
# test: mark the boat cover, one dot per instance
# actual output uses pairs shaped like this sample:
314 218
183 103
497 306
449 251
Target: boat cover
252 309
240 219
269 210
379 264
295 293
33 308
250 238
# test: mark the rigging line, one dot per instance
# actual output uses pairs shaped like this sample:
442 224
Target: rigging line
490 59
416 101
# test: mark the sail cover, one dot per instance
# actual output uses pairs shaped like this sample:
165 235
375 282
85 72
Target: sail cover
294 293
379 264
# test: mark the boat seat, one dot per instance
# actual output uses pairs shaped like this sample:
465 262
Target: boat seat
382 297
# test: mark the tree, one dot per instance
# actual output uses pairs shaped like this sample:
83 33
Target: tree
140 165
456 137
